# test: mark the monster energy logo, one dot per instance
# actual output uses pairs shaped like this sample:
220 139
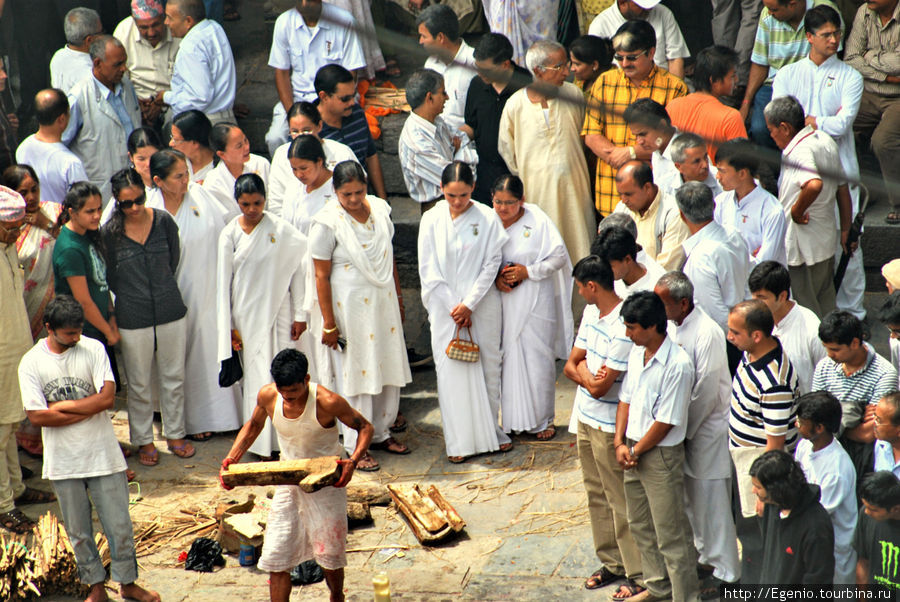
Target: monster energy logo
890 559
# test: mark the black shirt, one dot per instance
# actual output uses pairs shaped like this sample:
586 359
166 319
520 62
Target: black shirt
878 541
484 106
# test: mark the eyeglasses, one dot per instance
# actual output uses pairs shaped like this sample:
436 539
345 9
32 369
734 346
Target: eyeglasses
347 98
129 204
630 57
836 34
557 67
507 203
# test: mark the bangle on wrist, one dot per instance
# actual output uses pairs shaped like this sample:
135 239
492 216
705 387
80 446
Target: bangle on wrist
631 452
329 330
632 152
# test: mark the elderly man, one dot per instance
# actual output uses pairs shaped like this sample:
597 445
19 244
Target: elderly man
449 55
72 63
498 78
660 229
688 154
203 77
829 91
539 140
672 49
873 49
426 145
707 467
151 53
56 166
104 111
605 131
15 339
811 177
306 38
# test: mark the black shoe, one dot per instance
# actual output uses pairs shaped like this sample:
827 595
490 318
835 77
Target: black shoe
27 473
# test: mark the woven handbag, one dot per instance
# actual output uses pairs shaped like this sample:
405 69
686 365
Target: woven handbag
464 350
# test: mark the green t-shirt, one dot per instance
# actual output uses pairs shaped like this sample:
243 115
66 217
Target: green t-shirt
74 255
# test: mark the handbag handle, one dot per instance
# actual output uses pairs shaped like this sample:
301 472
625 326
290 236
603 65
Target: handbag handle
456 338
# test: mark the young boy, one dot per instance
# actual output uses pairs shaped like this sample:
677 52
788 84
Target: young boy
826 464
877 539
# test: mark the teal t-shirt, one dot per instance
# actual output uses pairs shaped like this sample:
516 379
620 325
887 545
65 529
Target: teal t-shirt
74 255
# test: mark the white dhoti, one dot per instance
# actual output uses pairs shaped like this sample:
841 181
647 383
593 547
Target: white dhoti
305 526
708 506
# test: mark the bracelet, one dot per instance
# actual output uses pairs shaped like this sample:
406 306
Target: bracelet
329 330
632 153
631 452
746 101
618 446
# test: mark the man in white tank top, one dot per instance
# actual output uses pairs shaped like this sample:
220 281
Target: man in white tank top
303 526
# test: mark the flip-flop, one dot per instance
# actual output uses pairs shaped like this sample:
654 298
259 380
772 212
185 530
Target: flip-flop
552 434
182 450
148 458
506 447
387 444
200 436
456 459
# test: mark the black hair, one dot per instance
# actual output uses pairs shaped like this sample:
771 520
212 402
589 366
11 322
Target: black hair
346 172
509 183
49 111
194 9
329 76
889 313
641 173
289 367
440 18
648 112
194 126
782 477
818 16
893 400
63 311
615 243
821 407
770 276
249 183
76 198
590 49
458 172
740 154
841 327
218 139
593 269
307 147
757 316
713 63
306 109
634 35
14 175
646 309
124 178
142 138
881 489
495 47
163 162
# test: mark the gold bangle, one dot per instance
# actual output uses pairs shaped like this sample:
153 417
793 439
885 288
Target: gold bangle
329 330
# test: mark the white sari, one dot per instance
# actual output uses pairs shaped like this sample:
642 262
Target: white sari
537 322
300 206
220 183
458 262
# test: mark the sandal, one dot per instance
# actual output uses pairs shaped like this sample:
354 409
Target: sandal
185 450
456 459
34 496
399 425
368 464
892 218
391 446
505 447
200 436
629 586
148 458
601 578
546 434
16 521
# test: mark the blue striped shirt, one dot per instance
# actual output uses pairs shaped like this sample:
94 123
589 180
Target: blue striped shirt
605 344
354 132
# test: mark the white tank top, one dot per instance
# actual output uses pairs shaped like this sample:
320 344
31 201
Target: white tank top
303 437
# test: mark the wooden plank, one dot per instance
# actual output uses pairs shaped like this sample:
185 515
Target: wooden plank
423 512
311 474
373 494
453 518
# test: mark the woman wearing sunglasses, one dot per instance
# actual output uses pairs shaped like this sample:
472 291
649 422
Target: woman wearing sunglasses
143 250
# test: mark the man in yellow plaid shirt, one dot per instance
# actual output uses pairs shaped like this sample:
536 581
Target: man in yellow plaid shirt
605 130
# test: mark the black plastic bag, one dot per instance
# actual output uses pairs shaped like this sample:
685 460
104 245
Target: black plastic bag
204 555
307 572
231 370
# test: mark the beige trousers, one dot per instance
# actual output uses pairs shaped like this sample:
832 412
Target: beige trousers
11 485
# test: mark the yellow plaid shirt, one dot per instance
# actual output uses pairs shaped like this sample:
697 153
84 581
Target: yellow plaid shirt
610 95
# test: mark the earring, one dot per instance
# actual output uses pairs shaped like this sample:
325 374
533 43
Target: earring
659 141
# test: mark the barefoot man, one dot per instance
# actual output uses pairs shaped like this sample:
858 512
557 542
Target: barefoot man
303 526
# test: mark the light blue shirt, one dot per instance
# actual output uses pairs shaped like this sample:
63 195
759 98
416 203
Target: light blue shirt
884 458
203 77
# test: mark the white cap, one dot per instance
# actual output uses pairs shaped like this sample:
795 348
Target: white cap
646 4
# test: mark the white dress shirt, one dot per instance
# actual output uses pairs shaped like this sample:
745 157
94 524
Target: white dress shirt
659 391
150 68
798 332
304 50
671 181
718 265
203 77
457 76
425 149
669 41
68 67
759 219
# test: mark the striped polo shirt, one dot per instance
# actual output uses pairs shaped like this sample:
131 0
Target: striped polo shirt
778 44
354 132
764 401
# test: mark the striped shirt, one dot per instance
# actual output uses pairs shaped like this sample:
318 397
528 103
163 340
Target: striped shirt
763 401
604 341
610 95
354 132
872 49
864 387
778 44
425 149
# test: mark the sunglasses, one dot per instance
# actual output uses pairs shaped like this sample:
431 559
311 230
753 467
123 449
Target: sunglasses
129 204
629 57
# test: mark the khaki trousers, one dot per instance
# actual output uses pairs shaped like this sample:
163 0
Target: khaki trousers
879 117
812 286
11 485
603 482
654 493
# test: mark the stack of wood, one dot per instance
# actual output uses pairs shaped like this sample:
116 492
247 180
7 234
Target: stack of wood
430 516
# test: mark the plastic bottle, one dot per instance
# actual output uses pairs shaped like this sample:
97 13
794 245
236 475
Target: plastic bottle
381 583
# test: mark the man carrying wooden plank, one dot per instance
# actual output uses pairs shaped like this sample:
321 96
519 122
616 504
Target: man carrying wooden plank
303 526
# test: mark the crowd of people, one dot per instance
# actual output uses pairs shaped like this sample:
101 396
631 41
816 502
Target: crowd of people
726 391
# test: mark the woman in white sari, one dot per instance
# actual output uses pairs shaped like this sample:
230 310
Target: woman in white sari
208 408
233 158
460 250
311 188
536 283
262 263
359 298
190 135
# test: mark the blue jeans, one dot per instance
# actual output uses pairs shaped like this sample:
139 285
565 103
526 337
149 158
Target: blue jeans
109 495
759 133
